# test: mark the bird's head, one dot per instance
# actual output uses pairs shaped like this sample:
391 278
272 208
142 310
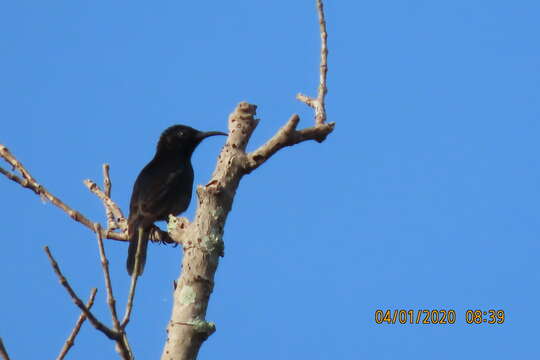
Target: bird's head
182 139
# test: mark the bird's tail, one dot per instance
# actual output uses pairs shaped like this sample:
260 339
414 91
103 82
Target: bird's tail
137 235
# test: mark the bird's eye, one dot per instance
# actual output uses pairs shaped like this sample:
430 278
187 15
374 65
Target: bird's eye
180 133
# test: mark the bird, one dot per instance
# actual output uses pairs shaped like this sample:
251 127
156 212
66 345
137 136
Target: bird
163 187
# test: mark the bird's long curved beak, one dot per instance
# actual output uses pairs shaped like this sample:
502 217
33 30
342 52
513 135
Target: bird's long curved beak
204 135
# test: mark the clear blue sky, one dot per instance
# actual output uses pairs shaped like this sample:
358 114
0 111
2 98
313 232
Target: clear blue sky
425 196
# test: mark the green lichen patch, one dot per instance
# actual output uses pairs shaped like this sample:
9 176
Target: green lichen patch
187 295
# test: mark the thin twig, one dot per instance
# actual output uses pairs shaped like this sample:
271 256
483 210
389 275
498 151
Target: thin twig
3 351
111 221
107 185
29 182
71 339
111 334
108 284
131 295
133 284
13 177
122 345
288 135
318 104
321 111
115 217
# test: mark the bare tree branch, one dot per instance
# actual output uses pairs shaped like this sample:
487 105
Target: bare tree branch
111 302
202 239
64 282
318 104
133 285
3 351
122 345
115 217
13 177
71 339
107 184
112 220
288 135
30 183
112 211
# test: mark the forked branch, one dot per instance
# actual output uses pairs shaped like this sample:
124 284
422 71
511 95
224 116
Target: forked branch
116 334
288 135
71 338
29 182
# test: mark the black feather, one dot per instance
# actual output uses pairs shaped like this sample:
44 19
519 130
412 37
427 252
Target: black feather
163 187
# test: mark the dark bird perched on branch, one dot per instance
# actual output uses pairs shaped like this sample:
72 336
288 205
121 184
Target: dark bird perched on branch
162 188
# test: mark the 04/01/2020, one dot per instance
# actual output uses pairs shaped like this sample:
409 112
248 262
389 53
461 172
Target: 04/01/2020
420 316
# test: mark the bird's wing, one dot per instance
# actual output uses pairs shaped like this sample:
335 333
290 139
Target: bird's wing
152 194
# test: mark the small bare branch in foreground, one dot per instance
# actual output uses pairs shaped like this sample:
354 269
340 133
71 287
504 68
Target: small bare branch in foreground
111 302
71 339
65 283
122 346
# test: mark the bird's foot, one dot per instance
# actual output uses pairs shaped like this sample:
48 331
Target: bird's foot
159 236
